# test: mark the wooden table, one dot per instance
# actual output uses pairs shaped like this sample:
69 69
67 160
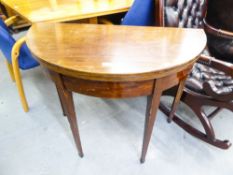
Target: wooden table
66 10
115 62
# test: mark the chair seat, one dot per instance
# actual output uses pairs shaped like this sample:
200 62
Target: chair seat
206 80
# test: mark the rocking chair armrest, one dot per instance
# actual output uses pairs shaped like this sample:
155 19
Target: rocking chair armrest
217 64
11 20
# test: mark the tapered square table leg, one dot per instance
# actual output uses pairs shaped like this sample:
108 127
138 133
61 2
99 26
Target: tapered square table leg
68 107
152 107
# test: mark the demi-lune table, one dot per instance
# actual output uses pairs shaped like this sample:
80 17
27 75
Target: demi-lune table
66 10
115 62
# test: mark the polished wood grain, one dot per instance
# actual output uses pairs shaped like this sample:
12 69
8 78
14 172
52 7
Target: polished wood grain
125 89
68 109
151 88
118 53
153 101
115 62
65 10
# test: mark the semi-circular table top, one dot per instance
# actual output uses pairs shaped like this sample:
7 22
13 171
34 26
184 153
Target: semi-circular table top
116 53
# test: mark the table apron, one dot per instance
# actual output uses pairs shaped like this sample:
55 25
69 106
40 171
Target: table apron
119 89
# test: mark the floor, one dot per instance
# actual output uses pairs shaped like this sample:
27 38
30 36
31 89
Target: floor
40 142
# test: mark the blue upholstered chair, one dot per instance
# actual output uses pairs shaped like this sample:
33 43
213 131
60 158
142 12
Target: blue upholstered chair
142 13
3 25
17 56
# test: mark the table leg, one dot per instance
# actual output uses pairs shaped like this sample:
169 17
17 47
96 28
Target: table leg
176 100
152 106
59 92
68 104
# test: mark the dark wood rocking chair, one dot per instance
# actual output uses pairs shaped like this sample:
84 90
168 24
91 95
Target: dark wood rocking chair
211 80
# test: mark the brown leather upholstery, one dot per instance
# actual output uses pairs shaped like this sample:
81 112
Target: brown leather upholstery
184 13
220 16
206 80
190 14
209 83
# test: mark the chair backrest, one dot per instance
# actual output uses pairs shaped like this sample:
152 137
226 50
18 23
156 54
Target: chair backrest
26 60
142 13
220 18
6 43
220 14
3 25
180 13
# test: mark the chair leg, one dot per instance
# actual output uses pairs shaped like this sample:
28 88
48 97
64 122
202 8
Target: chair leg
10 69
223 144
205 123
15 53
19 84
197 108
194 104
213 113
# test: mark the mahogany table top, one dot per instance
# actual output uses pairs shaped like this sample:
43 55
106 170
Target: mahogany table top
116 53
